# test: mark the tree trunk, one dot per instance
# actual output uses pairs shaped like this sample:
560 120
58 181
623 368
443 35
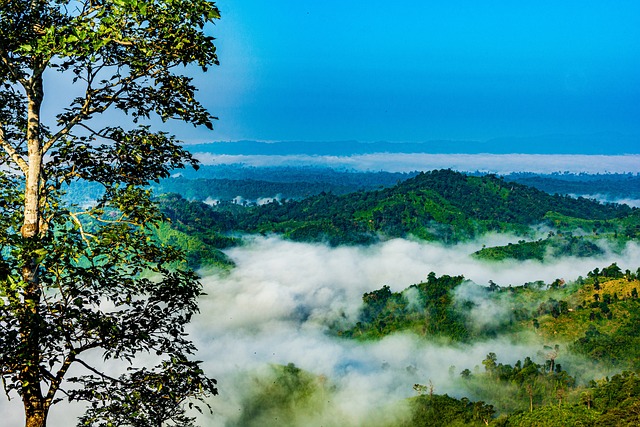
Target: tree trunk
35 416
35 405
30 227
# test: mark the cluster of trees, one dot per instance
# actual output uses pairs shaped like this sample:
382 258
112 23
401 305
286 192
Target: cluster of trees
427 308
613 344
552 247
523 386
528 394
441 410
607 312
608 402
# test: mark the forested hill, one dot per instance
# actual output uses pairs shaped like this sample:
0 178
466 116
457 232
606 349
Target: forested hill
438 205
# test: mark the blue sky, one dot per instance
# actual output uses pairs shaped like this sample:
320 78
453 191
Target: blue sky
422 70
414 71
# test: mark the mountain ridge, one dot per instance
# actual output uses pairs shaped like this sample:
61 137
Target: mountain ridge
605 143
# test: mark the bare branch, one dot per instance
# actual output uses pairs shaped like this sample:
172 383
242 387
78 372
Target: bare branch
95 371
11 151
83 234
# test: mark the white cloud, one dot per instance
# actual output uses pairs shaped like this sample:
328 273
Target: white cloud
405 162
276 305
634 203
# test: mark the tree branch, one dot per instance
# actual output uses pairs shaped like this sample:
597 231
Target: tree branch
95 371
57 380
86 110
83 234
17 158
14 74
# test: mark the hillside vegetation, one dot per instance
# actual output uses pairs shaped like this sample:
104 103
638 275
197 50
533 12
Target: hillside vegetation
441 205
589 326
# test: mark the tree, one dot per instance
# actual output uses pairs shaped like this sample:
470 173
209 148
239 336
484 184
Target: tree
82 287
551 355
529 388
490 363
586 398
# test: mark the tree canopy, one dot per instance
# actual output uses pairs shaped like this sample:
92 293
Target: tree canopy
81 286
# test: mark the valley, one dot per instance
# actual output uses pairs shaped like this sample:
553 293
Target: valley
444 299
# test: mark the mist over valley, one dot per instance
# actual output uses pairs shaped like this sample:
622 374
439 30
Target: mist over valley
280 328
281 302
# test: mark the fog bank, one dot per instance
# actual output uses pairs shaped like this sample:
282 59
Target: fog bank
276 307
407 162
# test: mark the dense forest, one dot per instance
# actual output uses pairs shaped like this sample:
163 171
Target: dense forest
443 205
440 205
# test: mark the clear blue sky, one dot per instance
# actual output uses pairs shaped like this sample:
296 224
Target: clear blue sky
421 70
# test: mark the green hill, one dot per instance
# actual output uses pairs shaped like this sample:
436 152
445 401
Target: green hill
196 229
440 205
541 249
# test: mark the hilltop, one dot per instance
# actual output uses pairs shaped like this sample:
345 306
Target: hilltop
440 205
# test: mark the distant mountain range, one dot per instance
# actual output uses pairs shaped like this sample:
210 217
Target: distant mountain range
600 143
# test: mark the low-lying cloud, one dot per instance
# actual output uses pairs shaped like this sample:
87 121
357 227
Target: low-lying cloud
634 203
278 304
275 307
407 162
